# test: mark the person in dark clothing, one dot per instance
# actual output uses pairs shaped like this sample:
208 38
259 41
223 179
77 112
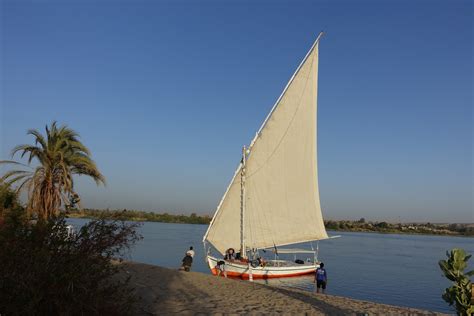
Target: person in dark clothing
220 268
321 278
230 254
187 263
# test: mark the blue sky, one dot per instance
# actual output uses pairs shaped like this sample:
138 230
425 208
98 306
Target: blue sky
165 94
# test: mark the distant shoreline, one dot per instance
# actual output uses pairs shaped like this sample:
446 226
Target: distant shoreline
362 226
402 233
462 230
140 216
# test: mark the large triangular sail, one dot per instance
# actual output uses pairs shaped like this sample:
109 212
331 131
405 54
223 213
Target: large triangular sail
282 195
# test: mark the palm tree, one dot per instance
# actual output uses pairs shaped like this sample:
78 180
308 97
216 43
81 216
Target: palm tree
59 155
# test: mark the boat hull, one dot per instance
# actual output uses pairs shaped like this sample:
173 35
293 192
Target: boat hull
243 270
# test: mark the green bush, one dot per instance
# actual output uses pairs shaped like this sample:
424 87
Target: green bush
459 294
45 271
8 199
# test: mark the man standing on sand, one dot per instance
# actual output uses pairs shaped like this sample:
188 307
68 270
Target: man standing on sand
321 278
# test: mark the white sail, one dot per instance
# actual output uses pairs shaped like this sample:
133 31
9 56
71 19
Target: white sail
282 194
224 230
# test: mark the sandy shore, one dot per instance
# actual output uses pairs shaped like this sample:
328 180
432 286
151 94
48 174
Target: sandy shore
164 291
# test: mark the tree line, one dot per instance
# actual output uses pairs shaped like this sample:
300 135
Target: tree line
362 225
141 216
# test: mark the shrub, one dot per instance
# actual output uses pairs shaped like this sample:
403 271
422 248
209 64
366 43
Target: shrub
459 294
8 199
382 225
45 271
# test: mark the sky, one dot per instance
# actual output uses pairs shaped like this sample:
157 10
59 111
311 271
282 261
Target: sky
165 94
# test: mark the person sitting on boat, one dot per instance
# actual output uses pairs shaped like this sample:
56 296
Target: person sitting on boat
220 268
230 254
321 278
261 262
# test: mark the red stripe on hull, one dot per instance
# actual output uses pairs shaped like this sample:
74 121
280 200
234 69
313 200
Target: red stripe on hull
245 276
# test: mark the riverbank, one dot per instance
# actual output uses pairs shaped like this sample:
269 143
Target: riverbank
140 216
461 230
164 291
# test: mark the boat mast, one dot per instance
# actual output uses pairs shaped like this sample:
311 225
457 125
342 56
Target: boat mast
242 203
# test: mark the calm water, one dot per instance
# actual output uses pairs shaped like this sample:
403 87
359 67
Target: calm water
392 269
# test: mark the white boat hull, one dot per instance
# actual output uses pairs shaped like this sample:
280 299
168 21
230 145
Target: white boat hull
236 268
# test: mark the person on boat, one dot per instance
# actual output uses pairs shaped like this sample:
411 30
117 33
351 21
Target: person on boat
220 268
321 278
230 254
190 252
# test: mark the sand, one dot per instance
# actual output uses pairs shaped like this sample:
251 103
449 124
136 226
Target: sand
166 292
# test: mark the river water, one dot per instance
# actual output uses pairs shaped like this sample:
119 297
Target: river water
386 268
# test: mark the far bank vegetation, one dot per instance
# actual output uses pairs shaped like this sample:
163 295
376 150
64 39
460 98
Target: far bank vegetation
360 225
140 216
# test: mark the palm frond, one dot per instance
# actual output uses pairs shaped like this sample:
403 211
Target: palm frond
13 162
12 173
39 139
18 178
33 151
25 182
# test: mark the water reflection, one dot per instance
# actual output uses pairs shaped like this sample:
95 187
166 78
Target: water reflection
304 282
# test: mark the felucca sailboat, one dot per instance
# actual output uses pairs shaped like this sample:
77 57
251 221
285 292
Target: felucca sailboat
273 198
